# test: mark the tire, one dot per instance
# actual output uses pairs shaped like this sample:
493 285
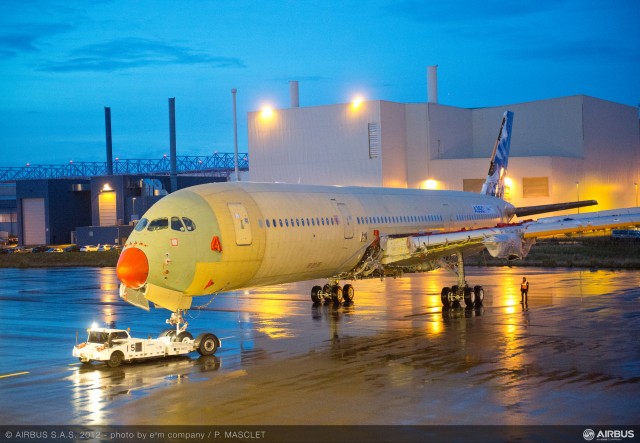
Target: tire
469 297
336 295
444 297
479 291
315 294
348 293
168 333
184 336
207 344
115 360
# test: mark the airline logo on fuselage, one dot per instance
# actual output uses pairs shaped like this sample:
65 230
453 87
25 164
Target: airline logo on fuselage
483 209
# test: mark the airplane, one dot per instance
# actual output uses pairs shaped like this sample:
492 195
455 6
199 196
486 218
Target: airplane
217 237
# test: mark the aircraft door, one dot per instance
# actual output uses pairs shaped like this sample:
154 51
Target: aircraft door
240 223
348 220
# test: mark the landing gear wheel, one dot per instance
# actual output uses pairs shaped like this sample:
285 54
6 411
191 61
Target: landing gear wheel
479 292
168 333
315 295
348 293
184 336
207 344
336 294
115 360
444 296
469 297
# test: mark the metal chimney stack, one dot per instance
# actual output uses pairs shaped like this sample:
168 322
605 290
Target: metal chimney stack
173 174
432 84
107 126
294 94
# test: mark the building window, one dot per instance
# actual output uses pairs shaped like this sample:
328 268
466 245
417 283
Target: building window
472 184
374 140
535 187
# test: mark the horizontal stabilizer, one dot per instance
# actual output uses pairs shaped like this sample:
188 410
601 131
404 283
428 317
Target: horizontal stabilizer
541 209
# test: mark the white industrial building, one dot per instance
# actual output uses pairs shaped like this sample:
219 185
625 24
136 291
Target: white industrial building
562 149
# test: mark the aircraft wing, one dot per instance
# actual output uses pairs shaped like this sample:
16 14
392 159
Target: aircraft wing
503 241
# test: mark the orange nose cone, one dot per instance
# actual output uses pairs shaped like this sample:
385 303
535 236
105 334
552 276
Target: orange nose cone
133 268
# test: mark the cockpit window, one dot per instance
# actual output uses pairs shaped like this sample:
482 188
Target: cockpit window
141 224
158 224
176 224
191 226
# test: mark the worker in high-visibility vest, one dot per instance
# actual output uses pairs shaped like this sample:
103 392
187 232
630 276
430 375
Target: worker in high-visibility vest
524 290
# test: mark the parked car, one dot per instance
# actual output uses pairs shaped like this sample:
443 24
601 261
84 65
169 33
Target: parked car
105 247
89 248
54 250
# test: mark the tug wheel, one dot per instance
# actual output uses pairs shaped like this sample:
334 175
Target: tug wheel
207 344
115 360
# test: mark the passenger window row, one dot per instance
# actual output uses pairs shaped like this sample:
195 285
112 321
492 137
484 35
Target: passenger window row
464 217
299 222
329 221
399 219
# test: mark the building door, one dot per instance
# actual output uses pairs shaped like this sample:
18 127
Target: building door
347 220
240 223
33 222
107 208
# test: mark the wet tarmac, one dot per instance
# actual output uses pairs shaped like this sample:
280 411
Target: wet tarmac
569 357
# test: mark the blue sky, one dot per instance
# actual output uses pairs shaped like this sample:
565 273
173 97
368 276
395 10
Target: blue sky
62 62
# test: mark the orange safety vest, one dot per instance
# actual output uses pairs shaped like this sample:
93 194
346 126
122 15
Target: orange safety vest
524 286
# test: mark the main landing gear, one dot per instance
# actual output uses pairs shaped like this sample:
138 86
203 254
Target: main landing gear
473 297
332 291
205 343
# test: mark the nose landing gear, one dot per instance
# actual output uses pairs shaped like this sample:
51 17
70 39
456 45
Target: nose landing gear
206 343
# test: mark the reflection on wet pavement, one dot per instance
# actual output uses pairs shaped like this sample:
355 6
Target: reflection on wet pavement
394 356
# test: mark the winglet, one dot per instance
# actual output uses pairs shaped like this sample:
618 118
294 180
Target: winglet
494 185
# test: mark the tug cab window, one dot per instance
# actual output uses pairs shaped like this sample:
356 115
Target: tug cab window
158 224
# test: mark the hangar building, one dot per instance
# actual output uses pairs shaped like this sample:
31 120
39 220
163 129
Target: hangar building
562 149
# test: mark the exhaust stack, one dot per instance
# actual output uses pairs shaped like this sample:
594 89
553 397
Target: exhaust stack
107 127
173 174
432 84
294 94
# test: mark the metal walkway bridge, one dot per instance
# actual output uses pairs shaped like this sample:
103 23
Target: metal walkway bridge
219 164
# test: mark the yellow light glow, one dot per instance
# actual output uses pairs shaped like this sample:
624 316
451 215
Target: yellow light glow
267 111
107 187
357 102
508 181
430 184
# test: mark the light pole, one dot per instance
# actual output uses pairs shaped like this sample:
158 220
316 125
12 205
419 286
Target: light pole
235 136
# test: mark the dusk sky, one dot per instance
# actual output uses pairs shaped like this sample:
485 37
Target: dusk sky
62 62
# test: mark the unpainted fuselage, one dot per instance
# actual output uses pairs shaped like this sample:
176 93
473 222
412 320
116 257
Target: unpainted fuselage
224 236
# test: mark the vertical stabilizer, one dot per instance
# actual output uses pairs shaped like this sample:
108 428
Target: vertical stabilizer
494 185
